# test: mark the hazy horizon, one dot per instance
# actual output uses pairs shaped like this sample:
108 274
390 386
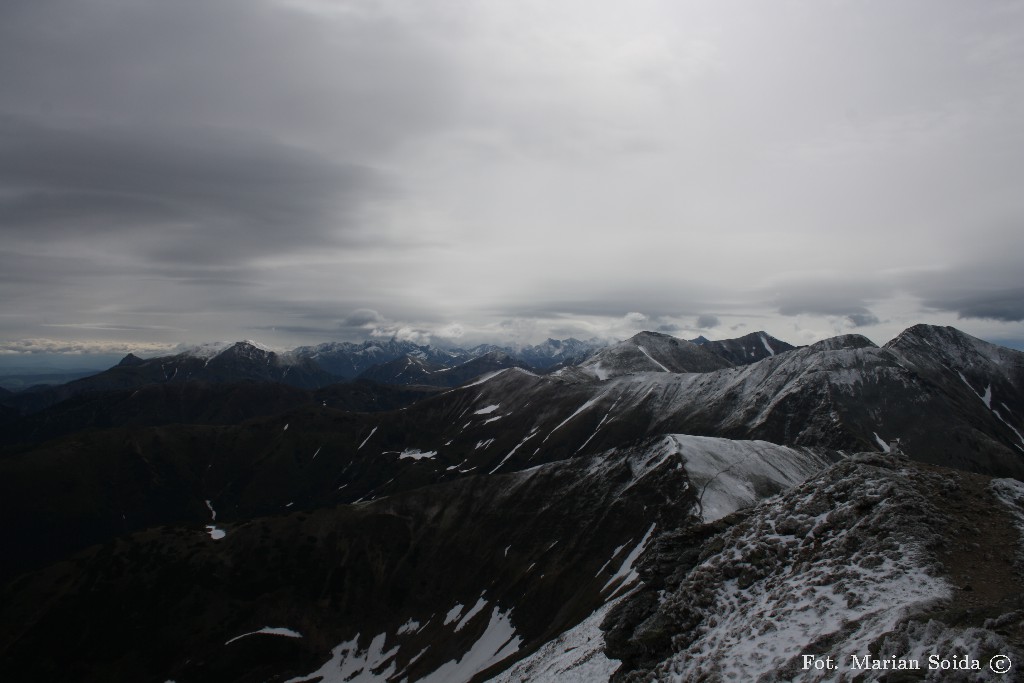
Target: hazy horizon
39 361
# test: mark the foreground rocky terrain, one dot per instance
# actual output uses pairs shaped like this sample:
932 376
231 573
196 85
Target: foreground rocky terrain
656 512
876 558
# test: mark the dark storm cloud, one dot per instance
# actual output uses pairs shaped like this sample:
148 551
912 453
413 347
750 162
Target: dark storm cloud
182 141
812 305
599 299
353 326
1006 305
706 321
988 285
862 319
189 195
363 82
818 295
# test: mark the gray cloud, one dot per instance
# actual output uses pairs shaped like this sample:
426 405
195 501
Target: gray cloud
361 317
376 77
217 167
1003 304
705 321
189 195
828 295
985 283
597 297
862 319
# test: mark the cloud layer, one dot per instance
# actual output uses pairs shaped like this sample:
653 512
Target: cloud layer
309 170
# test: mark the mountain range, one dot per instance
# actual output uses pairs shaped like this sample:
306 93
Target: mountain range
657 509
390 361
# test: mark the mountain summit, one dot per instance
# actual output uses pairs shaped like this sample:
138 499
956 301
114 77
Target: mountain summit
651 352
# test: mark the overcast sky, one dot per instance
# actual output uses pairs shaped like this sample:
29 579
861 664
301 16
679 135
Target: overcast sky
298 171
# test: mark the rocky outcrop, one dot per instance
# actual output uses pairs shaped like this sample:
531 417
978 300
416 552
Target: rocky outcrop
866 560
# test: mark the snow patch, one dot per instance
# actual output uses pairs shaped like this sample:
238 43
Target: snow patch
208 350
644 351
367 438
576 656
453 613
487 410
787 579
578 411
626 574
881 442
485 378
474 610
349 664
986 398
416 454
268 630
730 475
1010 493
513 451
497 642
410 626
598 427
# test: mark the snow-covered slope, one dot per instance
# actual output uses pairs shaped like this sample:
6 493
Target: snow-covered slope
844 392
842 566
729 475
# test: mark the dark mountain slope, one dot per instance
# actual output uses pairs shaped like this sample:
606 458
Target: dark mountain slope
413 370
346 359
240 362
477 569
648 352
477 367
747 349
440 540
404 370
841 394
110 482
557 352
349 360
195 402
